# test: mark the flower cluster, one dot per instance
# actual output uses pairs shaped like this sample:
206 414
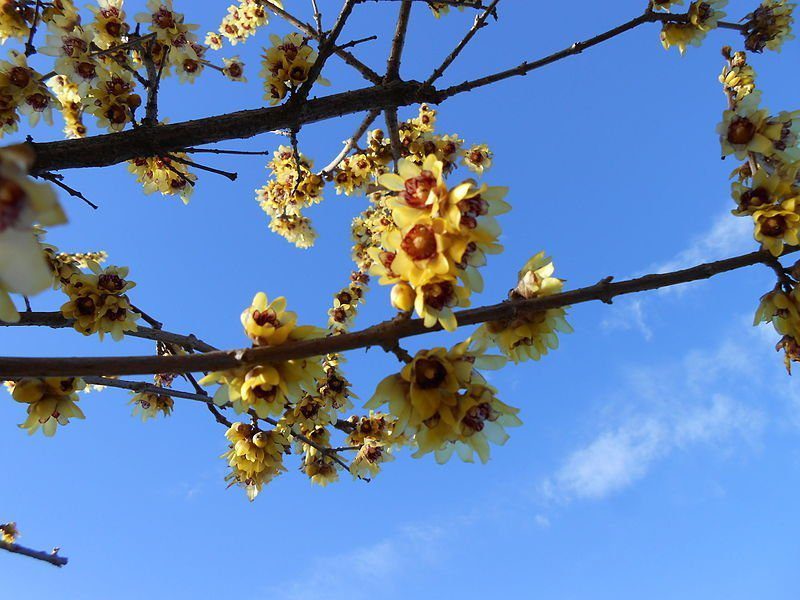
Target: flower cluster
346 302
254 456
22 93
98 302
769 26
23 203
286 65
268 389
375 437
71 106
781 308
166 175
529 335
242 21
441 400
703 16
291 188
438 239
767 186
9 532
417 141
51 402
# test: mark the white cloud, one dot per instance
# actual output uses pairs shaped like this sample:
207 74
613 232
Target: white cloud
701 399
363 572
727 236
627 314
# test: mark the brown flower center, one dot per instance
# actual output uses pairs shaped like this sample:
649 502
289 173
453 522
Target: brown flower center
741 131
438 295
418 188
429 373
420 242
85 306
266 316
164 19
774 226
757 197
20 76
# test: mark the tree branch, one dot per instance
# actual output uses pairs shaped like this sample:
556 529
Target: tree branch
56 320
398 42
351 143
50 557
576 48
480 21
347 57
382 334
113 148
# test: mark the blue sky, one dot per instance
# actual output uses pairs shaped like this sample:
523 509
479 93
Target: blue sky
659 456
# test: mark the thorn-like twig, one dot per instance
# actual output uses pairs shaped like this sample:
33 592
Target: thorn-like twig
351 143
57 180
183 161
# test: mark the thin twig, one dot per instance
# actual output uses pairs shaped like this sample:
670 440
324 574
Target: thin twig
576 48
56 180
183 161
56 320
30 48
392 126
352 43
49 557
327 46
234 152
480 21
398 42
377 335
317 16
351 143
346 56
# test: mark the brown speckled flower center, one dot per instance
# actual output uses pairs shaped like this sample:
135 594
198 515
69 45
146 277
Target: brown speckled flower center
420 242
429 373
741 131
417 189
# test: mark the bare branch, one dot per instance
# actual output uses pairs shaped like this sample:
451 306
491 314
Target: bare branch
56 320
49 557
576 48
57 180
351 143
378 335
480 21
398 42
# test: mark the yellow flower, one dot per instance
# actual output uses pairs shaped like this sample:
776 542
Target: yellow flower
764 190
477 158
769 25
268 323
744 129
482 418
776 226
529 335
372 454
51 402
149 405
255 457
9 532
